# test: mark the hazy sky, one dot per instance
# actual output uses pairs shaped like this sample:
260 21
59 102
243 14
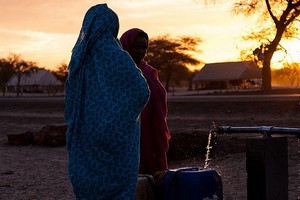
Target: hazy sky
45 31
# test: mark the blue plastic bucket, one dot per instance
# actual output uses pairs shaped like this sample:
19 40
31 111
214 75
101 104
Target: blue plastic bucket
191 184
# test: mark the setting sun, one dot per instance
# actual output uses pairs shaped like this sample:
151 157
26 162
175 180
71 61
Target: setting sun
289 52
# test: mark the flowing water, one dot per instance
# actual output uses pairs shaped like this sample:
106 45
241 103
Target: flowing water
209 146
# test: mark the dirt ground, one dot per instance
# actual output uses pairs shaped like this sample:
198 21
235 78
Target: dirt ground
35 172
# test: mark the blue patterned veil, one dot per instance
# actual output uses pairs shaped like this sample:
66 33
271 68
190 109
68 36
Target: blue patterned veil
105 94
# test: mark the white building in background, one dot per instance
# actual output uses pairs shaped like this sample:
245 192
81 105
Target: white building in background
39 81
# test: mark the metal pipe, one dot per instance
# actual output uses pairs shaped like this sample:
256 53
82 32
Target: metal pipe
266 130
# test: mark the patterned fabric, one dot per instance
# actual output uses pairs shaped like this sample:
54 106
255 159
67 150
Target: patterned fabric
105 93
155 135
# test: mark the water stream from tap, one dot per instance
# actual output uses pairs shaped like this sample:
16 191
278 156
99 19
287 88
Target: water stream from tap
209 146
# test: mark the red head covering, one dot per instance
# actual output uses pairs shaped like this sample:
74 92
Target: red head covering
129 36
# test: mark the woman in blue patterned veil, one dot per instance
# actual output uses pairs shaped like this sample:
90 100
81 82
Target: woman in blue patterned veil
105 93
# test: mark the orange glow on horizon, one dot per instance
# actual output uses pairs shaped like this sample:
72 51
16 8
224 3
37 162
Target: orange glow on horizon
46 32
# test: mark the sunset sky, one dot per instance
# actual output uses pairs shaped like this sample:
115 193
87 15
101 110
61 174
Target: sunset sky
45 31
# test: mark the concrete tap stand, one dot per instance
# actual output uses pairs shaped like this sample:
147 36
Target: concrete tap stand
267 168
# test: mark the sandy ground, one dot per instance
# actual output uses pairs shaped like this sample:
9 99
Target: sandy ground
35 172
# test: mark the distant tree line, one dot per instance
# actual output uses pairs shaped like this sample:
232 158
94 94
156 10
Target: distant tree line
14 64
170 56
288 75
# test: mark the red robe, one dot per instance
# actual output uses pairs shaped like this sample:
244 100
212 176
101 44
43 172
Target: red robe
155 136
154 130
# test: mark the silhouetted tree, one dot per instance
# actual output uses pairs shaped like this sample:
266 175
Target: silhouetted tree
291 71
61 73
247 54
6 71
171 56
21 67
276 20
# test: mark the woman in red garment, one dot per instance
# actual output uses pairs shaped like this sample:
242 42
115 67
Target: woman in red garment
154 142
